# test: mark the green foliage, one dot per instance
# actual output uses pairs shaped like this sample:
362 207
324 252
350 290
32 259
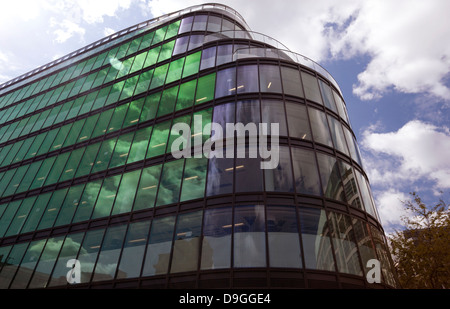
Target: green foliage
422 251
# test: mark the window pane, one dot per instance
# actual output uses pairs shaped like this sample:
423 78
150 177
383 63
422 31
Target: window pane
291 82
269 78
89 252
224 54
247 79
175 70
21 216
338 135
316 239
69 251
43 172
169 186
71 203
350 184
148 185
249 175
133 251
205 88
8 216
312 91
273 112
36 213
280 178
305 172
181 45
9 269
344 243
87 201
53 208
249 236
319 127
216 245
226 82
186 95
220 176
327 96
28 264
87 162
208 58
127 191
106 198
192 64
194 179
159 247
150 107
46 262
72 164
187 242
186 24
283 233
330 176
121 150
108 258
298 121
139 145
104 155
168 99
158 142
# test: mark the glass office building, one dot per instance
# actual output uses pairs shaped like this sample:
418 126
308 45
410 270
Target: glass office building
91 195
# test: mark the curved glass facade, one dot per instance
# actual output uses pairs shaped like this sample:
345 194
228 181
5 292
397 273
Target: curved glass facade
93 195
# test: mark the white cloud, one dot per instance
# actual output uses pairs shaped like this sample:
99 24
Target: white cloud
108 31
66 29
406 40
390 208
417 151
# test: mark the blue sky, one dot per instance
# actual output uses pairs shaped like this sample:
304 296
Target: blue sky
390 58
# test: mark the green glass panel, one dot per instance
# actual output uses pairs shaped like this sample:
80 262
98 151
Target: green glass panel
168 99
21 216
53 208
8 216
175 70
166 51
150 107
159 35
106 197
118 117
36 212
44 170
169 187
57 168
159 138
127 191
61 137
102 124
144 82
70 205
122 50
100 100
159 76
138 63
87 201
104 155
72 136
139 145
16 180
205 88
101 75
64 111
121 150
146 40
46 143
88 103
115 93
134 46
72 164
192 64
88 160
12 153
125 67
88 128
194 179
152 56
28 179
77 86
128 89
38 124
24 149
134 112
172 30
148 185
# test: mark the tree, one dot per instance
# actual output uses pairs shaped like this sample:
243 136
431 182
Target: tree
421 252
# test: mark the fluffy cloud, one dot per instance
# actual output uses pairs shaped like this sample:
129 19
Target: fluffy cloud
66 29
390 208
417 151
406 40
